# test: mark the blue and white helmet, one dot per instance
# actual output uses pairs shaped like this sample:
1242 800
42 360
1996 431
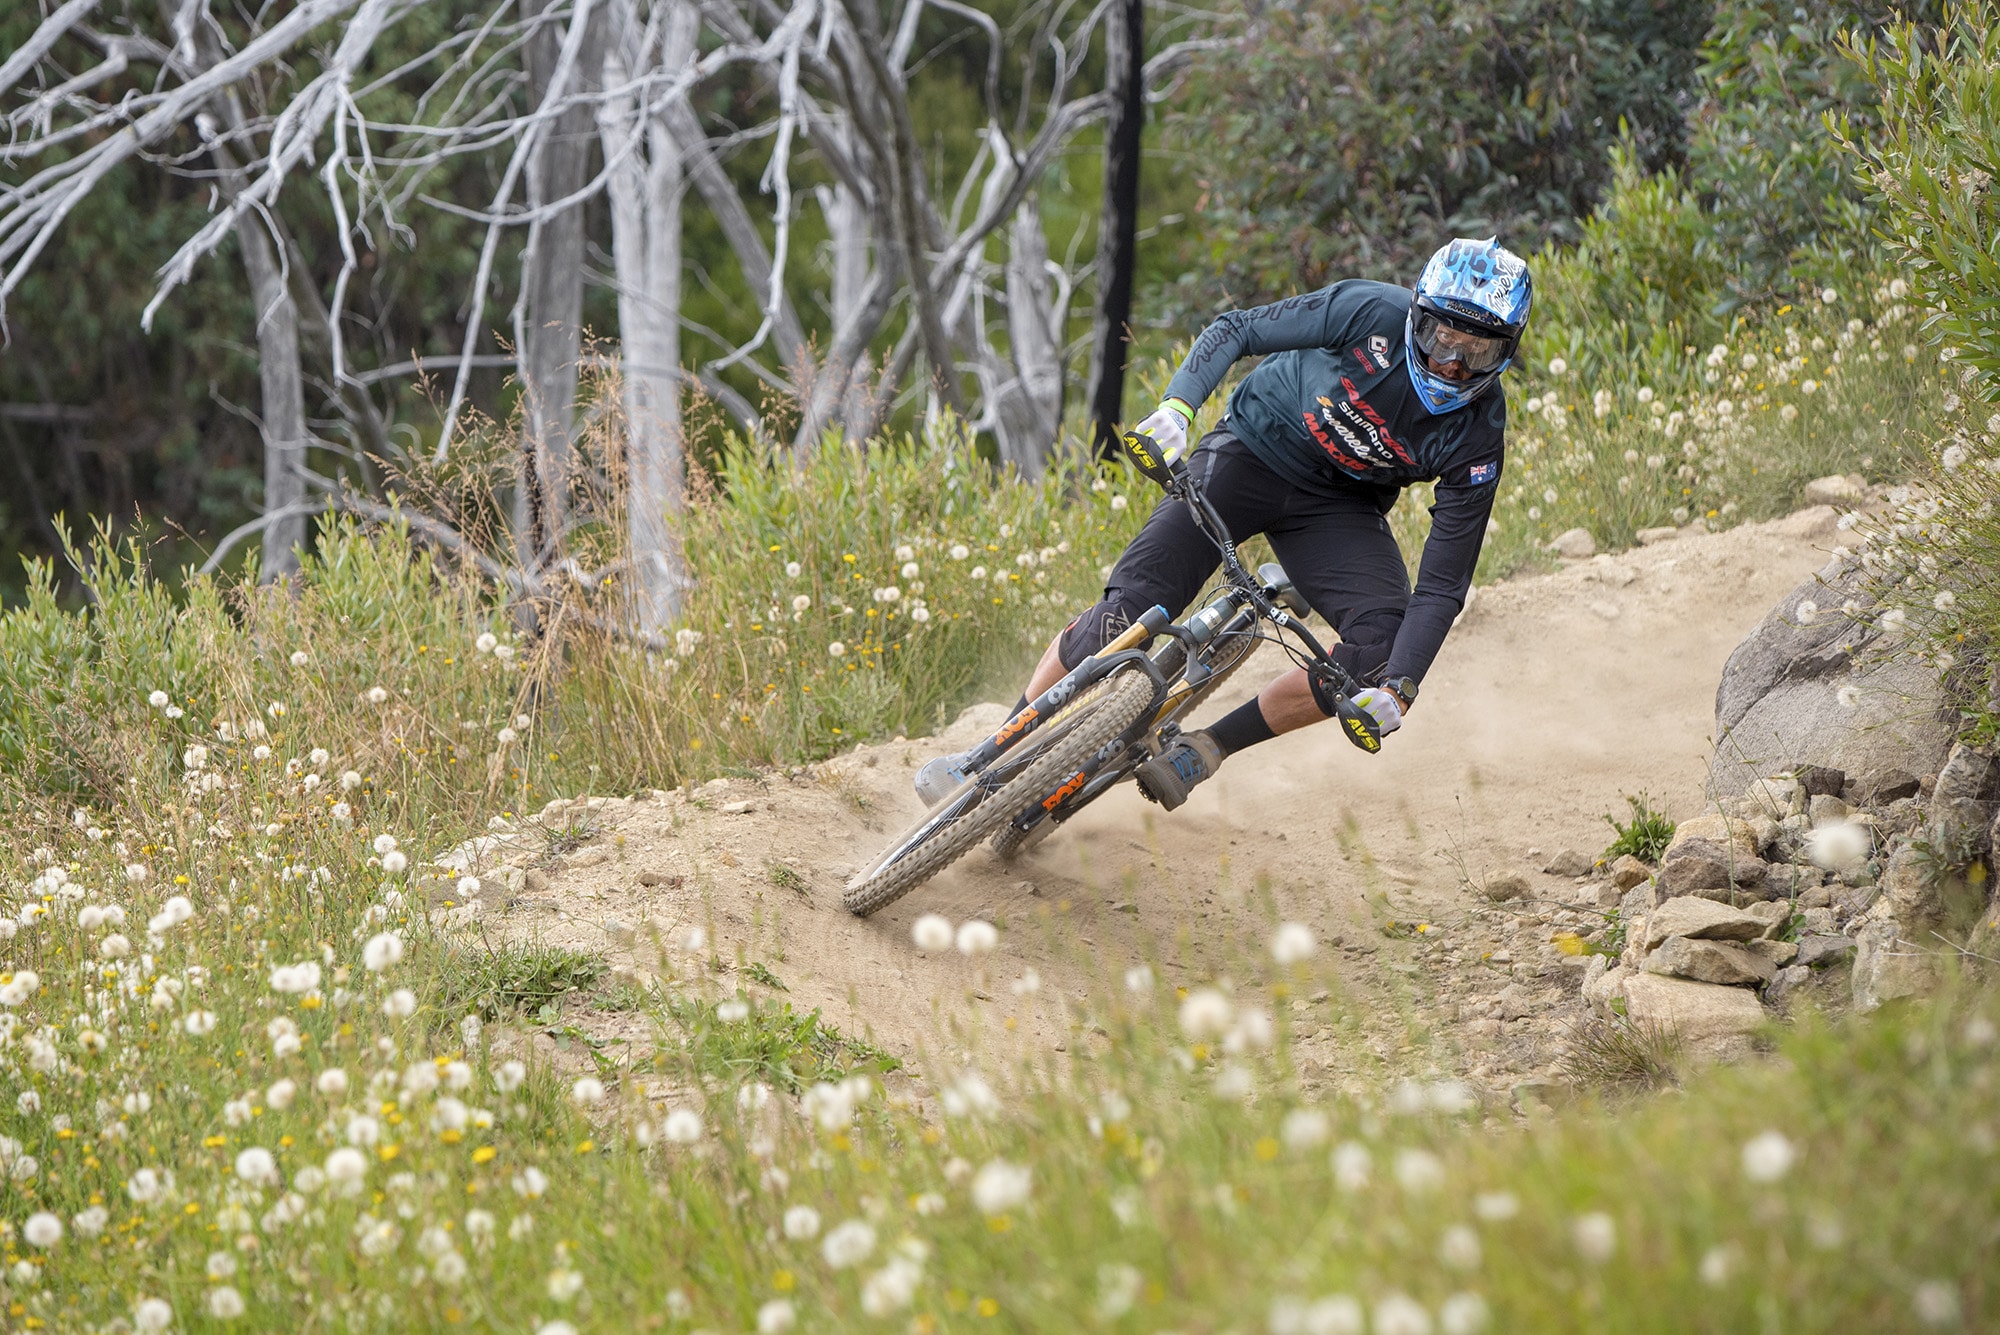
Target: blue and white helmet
1470 307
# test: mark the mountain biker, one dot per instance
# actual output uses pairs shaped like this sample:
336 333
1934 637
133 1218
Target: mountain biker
1367 389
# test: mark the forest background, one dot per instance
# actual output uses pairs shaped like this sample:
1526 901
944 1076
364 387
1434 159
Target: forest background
433 222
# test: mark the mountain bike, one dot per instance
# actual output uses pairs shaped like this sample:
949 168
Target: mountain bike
1124 704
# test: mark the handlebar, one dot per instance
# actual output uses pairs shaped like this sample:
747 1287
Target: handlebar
1175 478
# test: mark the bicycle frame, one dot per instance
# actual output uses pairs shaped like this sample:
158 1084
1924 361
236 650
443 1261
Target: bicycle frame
1243 602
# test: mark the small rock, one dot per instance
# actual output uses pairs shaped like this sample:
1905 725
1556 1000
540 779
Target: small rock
1900 816
1775 913
1568 862
1779 953
1646 537
1817 779
1612 572
737 808
1574 544
1815 948
1825 808
1886 786
1786 881
1852 901
587 857
1538 1096
1836 490
1786 982
1699 918
1506 885
1777 797
1731 832
1628 871
1911 883
1816 897
1514 1002
535 882
1750 872
1501 957
1696 1011
1886 968
1818 919
1604 988
657 876
1969 773
1609 611
1695 868
1709 962
716 786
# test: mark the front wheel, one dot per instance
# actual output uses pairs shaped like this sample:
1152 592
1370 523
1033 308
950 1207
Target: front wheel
931 845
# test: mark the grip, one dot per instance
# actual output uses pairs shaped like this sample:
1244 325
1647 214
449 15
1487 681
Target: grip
1358 725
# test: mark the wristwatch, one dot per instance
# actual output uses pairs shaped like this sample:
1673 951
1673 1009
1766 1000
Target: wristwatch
1403 688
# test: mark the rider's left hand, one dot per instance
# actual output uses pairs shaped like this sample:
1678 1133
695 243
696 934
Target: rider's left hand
1382 706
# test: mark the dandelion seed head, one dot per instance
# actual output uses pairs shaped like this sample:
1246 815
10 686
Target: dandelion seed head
932 932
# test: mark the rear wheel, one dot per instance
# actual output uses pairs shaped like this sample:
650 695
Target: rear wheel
916 856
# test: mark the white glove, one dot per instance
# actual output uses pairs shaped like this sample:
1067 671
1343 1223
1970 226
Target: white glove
1168 427
1383 707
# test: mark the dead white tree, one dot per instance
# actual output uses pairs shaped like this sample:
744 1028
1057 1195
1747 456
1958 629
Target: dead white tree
646 188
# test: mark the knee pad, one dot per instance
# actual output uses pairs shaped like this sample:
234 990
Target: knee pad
1098 627
1364 645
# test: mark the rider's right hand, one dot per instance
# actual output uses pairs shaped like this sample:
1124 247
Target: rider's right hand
1168 426
1382 706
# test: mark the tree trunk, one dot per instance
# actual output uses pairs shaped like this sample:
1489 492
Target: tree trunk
549 334
1118 230
646 189
1030 409
284 406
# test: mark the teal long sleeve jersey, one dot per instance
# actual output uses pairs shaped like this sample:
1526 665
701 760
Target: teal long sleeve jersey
1331 406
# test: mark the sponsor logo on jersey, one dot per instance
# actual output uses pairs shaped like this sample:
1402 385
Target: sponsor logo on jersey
1379 347
1362 410
1340 456
1484 473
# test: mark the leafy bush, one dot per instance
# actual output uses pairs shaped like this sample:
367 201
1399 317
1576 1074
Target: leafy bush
1350 139
1933 558
1645 836
1783 204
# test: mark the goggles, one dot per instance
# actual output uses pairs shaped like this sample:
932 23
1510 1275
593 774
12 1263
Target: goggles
1444 340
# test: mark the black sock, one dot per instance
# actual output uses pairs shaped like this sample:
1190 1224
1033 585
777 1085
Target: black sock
1240 727
1019 705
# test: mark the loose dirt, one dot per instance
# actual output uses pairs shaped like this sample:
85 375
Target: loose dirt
1555 697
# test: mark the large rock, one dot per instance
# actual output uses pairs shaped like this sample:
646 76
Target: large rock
1701 919
1778 704
1969 772
1710 962
1695 1011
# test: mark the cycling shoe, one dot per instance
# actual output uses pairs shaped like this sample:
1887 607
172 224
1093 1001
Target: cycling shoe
1168 776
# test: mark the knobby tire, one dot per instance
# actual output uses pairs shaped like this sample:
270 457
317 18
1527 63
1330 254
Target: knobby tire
1130 695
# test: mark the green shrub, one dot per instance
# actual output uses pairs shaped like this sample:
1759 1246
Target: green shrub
1645 836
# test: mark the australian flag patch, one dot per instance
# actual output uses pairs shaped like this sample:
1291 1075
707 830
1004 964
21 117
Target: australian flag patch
1483 473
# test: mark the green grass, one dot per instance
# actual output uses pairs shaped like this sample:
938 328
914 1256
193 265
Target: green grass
773 1044
524 980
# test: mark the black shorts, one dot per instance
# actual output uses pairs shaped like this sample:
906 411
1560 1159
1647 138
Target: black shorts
1335 544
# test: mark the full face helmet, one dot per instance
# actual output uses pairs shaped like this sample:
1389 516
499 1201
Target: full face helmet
1465 321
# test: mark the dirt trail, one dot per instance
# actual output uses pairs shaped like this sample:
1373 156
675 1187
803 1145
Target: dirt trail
1555 696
